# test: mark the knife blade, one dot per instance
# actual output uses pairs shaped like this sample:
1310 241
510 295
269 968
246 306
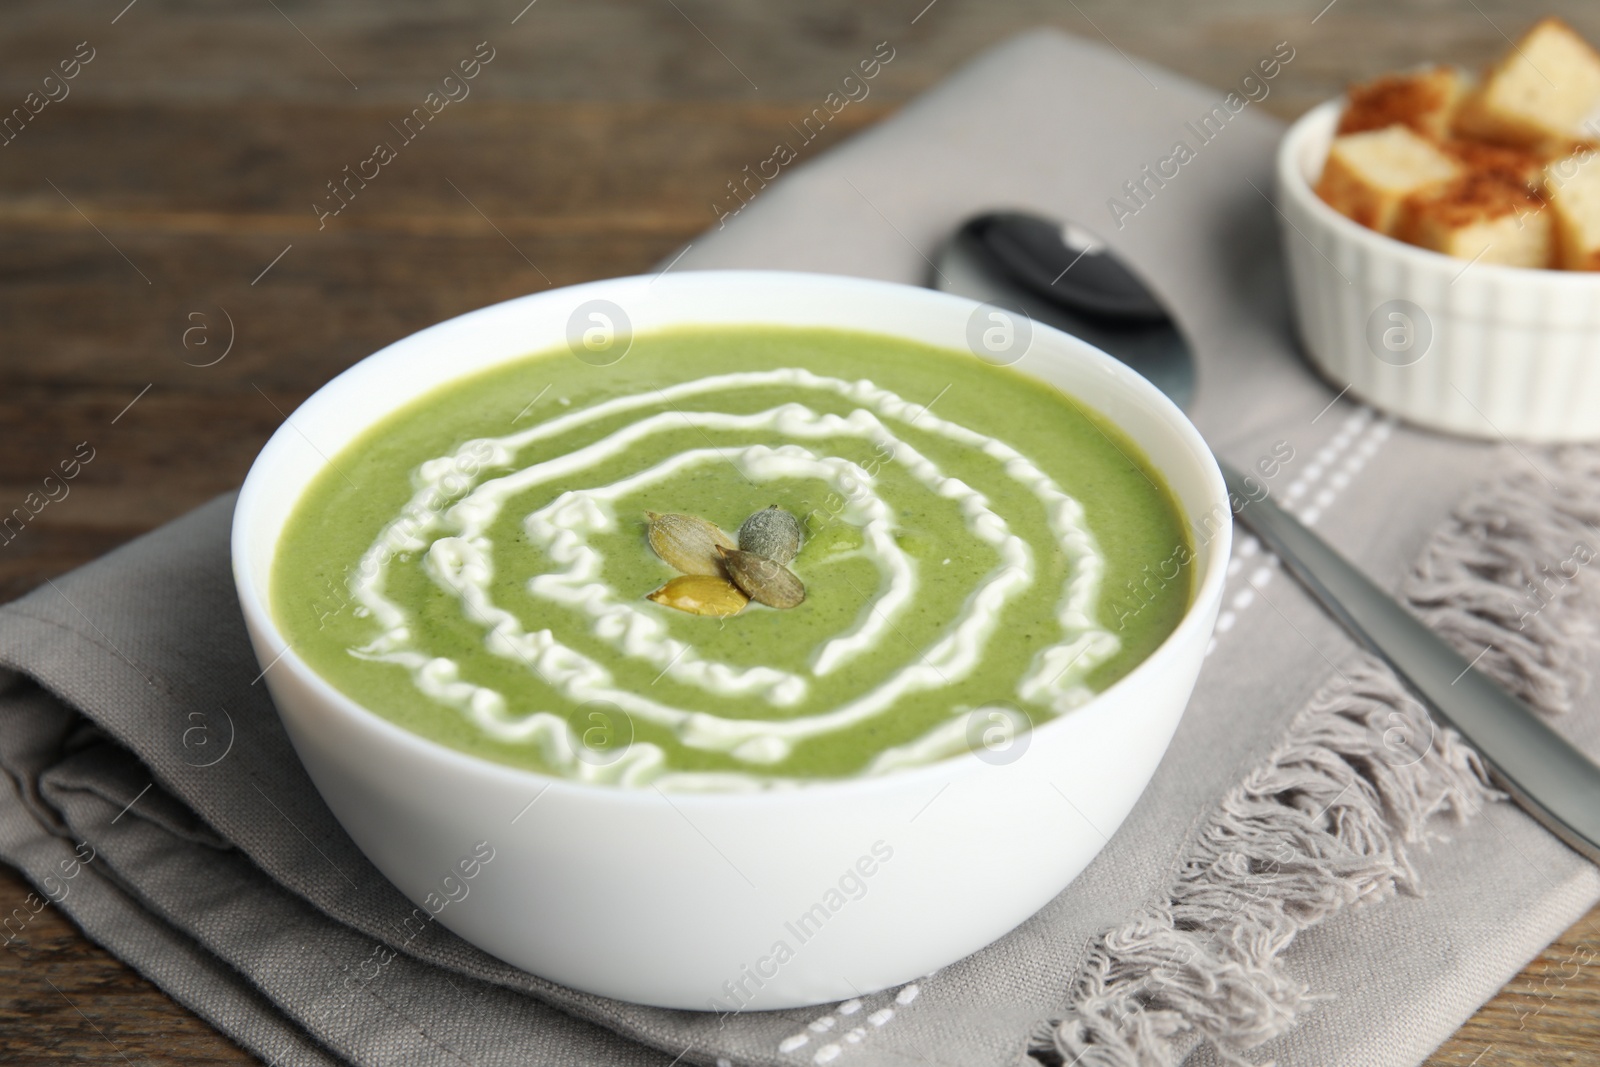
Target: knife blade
1543 772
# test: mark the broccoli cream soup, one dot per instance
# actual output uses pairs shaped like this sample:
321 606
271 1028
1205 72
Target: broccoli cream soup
736 558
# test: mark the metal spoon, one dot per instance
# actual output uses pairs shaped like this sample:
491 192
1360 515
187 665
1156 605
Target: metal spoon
1062 275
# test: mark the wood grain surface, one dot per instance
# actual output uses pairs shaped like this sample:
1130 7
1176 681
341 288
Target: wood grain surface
164 206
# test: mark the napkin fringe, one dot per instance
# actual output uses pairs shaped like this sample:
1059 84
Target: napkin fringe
1510 553
1326 821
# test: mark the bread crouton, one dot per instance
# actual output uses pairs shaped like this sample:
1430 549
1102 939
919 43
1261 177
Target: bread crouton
1479 157
1368 174
1573 189
1425 101
1538 92
1483 215
1553 151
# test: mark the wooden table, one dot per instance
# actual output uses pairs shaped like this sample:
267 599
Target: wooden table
164 207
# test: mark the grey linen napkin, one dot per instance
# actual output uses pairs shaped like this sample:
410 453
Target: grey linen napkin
152 795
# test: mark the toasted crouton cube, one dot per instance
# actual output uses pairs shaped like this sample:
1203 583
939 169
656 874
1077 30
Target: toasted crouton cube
1538 92
1573 189
1479 157
1368 174
1425 101
1554 151
1484 216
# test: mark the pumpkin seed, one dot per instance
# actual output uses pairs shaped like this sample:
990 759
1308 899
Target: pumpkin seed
701 594
764 581
687 543
771 532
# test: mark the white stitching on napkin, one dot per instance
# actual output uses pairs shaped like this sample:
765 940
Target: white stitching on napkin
825 1023
1327 819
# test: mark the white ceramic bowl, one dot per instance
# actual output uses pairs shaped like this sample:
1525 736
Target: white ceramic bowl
677 899
1476 349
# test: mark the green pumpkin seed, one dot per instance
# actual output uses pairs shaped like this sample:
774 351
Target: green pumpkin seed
771 532
764 581
687 543
701 594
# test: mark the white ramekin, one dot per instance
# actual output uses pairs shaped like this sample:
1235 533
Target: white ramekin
1478 349
676 899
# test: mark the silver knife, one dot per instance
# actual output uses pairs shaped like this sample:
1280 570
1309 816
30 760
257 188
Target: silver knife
1557 784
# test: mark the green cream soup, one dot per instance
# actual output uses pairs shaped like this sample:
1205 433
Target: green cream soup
980 554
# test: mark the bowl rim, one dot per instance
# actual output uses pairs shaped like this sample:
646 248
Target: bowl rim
1292 182
254 597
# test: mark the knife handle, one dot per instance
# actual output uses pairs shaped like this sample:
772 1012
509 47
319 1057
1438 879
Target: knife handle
1557 784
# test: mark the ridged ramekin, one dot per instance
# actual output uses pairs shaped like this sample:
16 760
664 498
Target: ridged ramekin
1478 349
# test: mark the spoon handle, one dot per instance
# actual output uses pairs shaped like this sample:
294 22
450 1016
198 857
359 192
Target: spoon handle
1547 776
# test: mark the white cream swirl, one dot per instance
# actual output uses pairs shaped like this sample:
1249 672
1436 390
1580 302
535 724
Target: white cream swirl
448 523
